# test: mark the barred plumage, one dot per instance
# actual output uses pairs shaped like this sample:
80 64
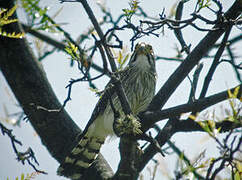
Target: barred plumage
138 80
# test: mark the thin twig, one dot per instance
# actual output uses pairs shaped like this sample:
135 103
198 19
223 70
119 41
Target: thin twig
195 82
21 156
178 32
120 91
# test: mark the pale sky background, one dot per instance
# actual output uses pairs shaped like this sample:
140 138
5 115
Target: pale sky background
83 100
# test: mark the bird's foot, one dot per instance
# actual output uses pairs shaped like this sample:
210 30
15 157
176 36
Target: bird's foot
129 125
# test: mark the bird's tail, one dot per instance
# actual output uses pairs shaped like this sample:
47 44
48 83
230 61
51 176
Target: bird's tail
81 157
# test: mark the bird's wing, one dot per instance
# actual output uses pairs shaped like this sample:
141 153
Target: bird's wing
104 99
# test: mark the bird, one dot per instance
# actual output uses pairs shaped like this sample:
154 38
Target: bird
138 79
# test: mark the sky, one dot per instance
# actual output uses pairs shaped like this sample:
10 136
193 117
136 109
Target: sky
75 21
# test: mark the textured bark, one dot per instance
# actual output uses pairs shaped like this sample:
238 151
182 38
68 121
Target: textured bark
30 86
129 153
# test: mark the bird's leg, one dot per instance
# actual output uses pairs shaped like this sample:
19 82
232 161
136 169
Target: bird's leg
127 125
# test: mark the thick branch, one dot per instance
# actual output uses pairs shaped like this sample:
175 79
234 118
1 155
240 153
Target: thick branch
129 154
31 88
162 137
172 127
119 89
192 59
28 82
191 126
178 76
149 118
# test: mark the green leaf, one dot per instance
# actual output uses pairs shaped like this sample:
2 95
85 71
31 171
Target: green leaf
5 14
22 176
237 176
133 8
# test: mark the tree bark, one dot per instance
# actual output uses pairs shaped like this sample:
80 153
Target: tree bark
30 86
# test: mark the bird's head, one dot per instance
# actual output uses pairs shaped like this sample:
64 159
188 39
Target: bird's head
143 57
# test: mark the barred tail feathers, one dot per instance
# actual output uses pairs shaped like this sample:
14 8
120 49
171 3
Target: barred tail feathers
81 157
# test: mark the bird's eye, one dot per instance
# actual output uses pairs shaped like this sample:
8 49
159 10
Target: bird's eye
149 49
137 46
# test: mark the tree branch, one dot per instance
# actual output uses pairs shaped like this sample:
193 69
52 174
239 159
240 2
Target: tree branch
149 118
28 82
178 32
178 76
181 154
28 155
129 154
119 88
215 63
192 59
59 45
120 92
174 126
162 137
